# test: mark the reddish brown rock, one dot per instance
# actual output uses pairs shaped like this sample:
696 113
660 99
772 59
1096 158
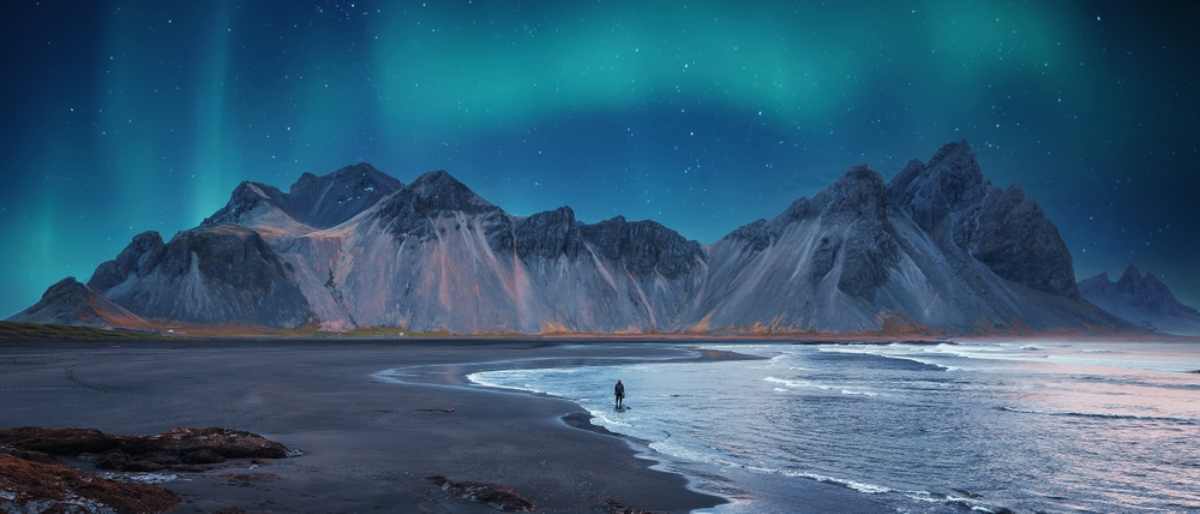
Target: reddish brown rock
28 486
230 444
498 497
616 507
58 441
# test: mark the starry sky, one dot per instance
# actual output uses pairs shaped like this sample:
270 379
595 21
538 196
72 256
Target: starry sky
122 117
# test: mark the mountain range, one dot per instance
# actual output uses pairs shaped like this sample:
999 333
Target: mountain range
938 249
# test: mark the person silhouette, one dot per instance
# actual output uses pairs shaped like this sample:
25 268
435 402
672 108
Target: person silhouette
619 392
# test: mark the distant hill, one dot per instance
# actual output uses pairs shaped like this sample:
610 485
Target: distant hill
1143 300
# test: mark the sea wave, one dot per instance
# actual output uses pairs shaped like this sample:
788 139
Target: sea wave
905 357
861 487
1136 382
482 378
1101 415
797 384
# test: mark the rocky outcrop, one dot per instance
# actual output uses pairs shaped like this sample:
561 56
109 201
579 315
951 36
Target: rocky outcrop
31 486
501 498
69 302
180 449
1143 300
137 259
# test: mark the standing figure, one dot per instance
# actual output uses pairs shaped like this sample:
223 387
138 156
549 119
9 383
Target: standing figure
619 392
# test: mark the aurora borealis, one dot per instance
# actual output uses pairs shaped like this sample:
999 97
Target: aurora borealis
132 116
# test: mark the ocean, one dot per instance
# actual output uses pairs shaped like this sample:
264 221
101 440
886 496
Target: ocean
989 427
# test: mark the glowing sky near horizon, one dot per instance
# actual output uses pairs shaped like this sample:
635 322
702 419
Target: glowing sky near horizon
132 116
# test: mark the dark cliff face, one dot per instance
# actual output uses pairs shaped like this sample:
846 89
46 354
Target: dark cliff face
949 199
854 235
220 274
930 193
854 213
316 201
644 247
1011 235
329 200
757 235
548 235
139 258
411 211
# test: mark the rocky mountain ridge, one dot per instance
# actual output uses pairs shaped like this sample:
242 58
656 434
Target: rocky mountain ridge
936 249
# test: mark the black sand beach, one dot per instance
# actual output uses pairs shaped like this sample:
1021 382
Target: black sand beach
369 445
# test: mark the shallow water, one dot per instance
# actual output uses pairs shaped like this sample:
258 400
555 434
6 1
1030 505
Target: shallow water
1105 427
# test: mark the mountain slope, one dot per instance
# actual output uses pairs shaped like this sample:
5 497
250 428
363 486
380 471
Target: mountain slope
435 255
311 203
223 274
1143 300
69 302
938 248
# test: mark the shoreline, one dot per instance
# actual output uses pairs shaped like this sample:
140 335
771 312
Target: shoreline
368 444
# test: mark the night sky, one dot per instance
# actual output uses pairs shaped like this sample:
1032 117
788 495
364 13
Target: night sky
131 116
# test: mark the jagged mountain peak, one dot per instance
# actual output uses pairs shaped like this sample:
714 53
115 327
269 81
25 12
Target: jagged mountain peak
950 180
362 172
954 152
1132 275
247 198
859 192
439 190
141 254
1144 284
333 198
311 202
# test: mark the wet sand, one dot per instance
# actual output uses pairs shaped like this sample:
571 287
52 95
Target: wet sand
369 444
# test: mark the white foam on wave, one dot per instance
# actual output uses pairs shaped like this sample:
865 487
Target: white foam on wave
853 392
798 384
599 418
861 487
892 352
794 383
485 379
